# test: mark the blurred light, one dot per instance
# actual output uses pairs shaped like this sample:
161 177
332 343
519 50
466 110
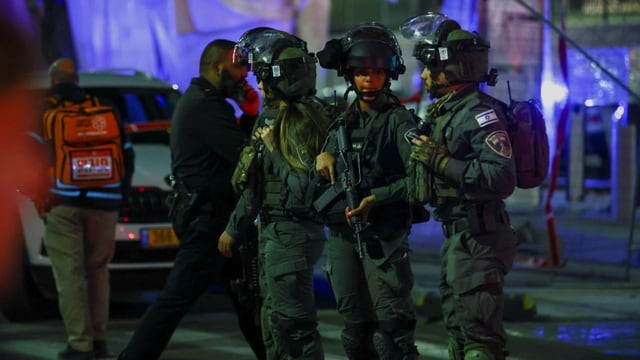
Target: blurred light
131 236
144 238
552 92
619 113
175 87
589 103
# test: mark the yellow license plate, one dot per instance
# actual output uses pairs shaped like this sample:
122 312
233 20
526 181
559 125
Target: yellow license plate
161 237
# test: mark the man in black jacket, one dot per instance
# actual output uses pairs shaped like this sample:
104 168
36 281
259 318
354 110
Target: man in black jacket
206 140
79 237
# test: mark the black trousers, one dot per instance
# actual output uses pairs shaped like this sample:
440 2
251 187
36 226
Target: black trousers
197 265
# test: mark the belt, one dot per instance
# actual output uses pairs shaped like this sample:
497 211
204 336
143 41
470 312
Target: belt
454 227
450 228
266 217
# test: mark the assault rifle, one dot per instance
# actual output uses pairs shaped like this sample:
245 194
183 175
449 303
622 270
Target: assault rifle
247 285
348 180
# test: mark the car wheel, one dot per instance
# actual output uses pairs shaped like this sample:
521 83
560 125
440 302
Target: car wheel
24 301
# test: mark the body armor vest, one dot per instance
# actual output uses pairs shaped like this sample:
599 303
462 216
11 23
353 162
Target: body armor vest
379 164
445 191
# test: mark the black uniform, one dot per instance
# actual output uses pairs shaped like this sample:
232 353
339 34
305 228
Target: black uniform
205 143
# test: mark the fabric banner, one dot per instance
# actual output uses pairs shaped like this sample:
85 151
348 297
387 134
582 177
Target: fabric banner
166 37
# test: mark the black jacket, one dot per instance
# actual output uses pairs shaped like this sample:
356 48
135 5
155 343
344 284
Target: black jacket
206 142
99 198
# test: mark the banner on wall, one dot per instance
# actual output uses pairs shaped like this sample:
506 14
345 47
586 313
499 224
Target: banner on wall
166 37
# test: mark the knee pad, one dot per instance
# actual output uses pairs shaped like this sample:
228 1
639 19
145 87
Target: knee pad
280 326
406 345
456 351
400 331
291 335
356 341
480 352
384 345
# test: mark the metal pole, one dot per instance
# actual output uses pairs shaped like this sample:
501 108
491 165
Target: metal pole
630 92
581 50
636 188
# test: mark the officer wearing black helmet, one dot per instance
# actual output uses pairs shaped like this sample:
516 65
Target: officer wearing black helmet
470 170
371 280
291 238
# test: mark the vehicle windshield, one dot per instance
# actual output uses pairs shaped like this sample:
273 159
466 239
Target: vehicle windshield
140 106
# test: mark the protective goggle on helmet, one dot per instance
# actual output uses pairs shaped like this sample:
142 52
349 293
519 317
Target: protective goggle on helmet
279 60
441 45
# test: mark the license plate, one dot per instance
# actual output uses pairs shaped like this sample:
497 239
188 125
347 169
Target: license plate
158 238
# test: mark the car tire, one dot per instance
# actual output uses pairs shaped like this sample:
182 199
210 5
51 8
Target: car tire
23 301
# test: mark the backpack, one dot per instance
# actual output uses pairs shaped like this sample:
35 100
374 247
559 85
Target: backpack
87 142
529 142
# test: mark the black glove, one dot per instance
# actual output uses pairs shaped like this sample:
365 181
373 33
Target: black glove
434 156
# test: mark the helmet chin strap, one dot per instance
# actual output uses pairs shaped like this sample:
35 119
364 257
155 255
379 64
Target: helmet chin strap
434 88
362 94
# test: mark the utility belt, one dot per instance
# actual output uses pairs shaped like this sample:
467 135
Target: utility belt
482 218
273 215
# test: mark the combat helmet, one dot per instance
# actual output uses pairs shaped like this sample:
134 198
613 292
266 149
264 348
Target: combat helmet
441 45
278 59
368 45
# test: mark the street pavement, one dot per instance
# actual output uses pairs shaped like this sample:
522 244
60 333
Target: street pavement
585 308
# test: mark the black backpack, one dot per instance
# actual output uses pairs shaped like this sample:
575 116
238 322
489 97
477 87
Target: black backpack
530 144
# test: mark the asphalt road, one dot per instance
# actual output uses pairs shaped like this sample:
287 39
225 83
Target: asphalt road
560 329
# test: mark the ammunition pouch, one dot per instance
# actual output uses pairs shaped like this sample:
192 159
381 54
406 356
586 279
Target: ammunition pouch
245 167
327 197
183 205
330 204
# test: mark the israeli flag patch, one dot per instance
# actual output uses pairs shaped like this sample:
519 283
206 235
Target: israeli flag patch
486 118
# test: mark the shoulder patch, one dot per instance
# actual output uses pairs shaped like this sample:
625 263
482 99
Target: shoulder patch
487 117
498 141
411 134
269 121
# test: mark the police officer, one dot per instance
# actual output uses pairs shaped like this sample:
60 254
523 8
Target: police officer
371 278
205 144
470 171
291 238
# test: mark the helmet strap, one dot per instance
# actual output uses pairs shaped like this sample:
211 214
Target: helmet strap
362 94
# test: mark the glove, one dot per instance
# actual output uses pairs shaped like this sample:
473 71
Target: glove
434 156
251 103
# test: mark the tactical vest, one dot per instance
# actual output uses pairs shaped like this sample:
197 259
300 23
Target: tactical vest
379 165
278 199
445 191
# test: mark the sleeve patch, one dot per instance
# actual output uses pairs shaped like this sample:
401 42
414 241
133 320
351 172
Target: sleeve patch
486 118
498 141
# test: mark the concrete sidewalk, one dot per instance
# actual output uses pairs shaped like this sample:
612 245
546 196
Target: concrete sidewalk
592 281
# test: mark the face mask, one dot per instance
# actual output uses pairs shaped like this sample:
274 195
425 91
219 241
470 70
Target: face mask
232 88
